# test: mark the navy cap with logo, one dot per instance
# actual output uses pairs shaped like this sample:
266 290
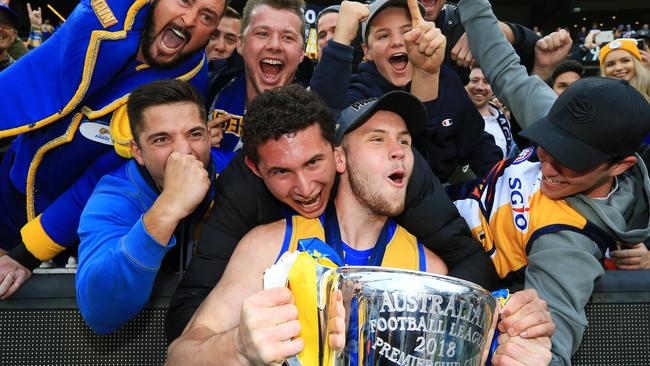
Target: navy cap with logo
11 15
595 120
377 6
401 103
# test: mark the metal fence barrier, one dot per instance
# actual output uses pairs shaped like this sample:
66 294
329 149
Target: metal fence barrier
41 325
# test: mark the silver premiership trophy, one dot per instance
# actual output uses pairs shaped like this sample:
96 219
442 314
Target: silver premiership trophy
406 318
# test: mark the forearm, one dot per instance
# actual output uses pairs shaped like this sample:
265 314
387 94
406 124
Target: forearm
201 346
425 85
161 220
331 78
562 267
116 275
529 98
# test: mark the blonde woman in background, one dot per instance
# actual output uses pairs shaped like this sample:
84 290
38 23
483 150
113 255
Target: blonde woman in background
622 59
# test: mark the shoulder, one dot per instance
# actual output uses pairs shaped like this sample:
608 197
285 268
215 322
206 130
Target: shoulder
262 243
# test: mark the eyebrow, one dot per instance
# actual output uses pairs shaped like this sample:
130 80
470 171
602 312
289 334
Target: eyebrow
275 168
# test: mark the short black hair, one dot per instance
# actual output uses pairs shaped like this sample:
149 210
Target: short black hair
156 93
231 13
567 66
280 111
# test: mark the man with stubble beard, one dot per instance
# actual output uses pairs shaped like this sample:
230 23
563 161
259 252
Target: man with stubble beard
78 130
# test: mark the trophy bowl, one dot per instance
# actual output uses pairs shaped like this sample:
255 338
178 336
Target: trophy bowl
406 318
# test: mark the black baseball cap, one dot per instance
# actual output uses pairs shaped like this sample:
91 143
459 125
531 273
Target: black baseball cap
595 120
401 103
13 18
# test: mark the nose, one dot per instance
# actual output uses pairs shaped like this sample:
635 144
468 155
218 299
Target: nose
273 42
548 163
183 146
397 40
220 44
302 185
189 18
396 150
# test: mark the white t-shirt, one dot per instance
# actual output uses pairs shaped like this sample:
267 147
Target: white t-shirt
493 128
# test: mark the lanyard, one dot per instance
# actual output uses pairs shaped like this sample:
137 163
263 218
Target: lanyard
333 238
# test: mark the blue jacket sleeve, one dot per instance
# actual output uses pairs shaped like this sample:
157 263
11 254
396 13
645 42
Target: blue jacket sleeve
118 258
56 228
332 75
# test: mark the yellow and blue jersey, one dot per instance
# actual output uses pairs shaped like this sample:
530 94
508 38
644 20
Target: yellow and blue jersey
395 248
506 211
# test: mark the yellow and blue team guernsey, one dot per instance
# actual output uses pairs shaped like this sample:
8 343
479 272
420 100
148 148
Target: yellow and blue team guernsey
395 248
67 100
507 212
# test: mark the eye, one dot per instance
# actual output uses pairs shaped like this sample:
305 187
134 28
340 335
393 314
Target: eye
288 37
262 34
405 141
279 172
313 162
160 140
208 18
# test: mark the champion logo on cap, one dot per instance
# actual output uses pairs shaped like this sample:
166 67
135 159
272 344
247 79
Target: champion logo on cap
615 44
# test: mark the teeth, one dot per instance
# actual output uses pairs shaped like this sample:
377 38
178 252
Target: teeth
178 33
271 61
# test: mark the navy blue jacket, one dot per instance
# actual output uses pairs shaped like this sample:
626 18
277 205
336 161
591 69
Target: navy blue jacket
454 133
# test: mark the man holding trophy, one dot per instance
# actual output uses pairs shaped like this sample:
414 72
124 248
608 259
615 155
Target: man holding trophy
449 324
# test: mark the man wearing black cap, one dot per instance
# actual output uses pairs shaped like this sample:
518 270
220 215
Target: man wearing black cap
550 216
375 160
8 33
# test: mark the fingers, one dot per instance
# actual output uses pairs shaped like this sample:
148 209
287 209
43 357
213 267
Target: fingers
336 322
520 351
6 283
416 15
518 300
29 7
527 315
21 277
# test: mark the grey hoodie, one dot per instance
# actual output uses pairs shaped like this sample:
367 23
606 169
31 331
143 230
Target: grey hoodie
562 266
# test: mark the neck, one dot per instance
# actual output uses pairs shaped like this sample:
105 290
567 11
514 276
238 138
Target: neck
4 55
360 227
485 110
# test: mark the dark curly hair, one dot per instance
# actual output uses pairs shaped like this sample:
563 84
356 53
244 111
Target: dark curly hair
280 111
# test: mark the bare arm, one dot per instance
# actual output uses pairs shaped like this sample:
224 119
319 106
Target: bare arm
213 334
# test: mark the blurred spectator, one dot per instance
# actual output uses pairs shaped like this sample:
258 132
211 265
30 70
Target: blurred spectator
565 74
8 34
621 59
224 41
496 122
36 27
272 46
326 25
144 209
581 35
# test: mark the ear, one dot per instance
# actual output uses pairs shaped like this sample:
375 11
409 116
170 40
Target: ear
251 165
136 152
622 165
366 56
339 159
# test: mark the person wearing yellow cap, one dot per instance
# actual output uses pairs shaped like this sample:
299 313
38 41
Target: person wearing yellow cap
621 59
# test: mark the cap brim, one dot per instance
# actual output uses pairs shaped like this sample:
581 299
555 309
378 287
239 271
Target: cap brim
566 149
401 103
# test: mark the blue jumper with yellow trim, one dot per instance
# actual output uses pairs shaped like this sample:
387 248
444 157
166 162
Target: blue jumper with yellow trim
83 75
395 248
231 99
118 257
